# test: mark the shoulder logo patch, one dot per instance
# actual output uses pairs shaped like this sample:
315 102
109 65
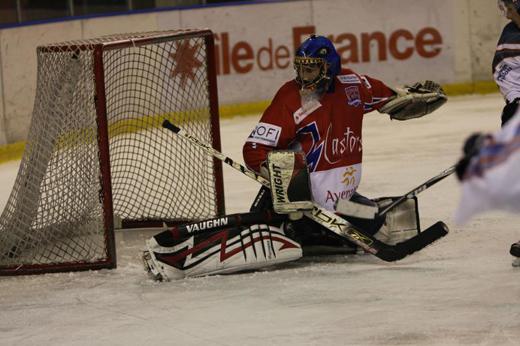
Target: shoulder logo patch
353 96
349 79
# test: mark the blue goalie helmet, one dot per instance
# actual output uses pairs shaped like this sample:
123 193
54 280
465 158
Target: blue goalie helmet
504 5
316 63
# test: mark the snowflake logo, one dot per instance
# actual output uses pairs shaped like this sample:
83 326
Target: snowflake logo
185 61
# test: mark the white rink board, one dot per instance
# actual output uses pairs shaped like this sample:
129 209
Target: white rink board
396 19
97 27
263 29
19 66
255 43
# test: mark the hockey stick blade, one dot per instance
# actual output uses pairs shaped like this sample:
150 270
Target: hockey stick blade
326 218
386 252
414 244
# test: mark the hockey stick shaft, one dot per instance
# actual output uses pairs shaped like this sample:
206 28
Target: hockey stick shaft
324 217
215 153
349 208
414 192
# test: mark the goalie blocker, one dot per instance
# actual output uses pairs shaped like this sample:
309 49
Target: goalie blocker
290 183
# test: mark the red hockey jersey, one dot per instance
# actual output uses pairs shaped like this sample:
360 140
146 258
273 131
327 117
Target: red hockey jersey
328 131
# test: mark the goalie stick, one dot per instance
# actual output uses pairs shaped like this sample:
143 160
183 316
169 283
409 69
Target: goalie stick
332 221
414 192
349 208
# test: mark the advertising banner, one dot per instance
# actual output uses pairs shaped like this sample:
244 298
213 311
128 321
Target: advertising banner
398 42
255 43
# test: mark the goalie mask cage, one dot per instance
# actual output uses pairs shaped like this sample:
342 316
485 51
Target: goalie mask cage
96 150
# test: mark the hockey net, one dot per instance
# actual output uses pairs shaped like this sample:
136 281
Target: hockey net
96 151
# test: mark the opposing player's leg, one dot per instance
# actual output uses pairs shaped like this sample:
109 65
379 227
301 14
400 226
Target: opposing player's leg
169 255
509 111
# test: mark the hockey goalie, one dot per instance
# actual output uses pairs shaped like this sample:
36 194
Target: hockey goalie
308 145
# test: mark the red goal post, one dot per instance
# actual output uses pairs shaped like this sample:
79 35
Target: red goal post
96 151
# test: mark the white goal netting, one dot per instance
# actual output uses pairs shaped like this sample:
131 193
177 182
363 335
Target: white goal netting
95 145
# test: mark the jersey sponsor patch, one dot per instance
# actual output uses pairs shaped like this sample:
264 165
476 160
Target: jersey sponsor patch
349 79
304 111
353 96
502 72
331 185
264 133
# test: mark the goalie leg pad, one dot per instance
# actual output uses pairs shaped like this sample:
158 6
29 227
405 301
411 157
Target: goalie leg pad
401 222
221 252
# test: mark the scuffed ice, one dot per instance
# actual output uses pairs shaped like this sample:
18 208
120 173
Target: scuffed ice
460 291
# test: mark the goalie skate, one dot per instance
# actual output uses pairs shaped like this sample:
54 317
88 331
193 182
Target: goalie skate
516 262
151 266
155 268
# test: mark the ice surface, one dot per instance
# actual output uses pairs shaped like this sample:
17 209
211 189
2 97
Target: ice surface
460 291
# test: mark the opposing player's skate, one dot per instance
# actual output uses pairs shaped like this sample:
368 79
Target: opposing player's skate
515 252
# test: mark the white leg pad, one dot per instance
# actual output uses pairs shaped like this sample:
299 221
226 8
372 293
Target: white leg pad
227 251
400 223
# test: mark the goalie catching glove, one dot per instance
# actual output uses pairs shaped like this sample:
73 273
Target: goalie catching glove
415 101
